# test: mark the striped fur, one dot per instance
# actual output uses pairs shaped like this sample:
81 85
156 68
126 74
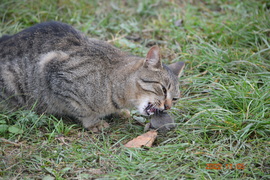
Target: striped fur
54 69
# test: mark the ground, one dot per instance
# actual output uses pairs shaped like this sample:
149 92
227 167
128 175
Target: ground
223 116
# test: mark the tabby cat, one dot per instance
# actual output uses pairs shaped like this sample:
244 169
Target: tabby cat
55 69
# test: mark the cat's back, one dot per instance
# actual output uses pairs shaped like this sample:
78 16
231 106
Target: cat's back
53 36
39 39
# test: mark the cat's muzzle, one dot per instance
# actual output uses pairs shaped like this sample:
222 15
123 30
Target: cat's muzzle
151 109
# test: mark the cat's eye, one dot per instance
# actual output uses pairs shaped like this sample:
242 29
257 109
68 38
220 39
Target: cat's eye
164 90
175 99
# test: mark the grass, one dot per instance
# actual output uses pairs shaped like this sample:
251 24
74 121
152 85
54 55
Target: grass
223 116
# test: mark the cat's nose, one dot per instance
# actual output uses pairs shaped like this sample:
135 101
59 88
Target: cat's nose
167 104
166 107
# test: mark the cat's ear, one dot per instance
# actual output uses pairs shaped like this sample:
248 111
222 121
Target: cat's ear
152 60
177 68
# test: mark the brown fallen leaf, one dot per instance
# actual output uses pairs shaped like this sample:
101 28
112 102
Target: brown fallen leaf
61 138
145 139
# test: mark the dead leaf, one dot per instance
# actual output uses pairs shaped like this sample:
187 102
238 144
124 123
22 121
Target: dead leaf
179 23
145 139
61 138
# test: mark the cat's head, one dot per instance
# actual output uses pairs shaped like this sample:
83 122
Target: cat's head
157 85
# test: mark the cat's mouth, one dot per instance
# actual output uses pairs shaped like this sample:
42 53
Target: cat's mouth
150 109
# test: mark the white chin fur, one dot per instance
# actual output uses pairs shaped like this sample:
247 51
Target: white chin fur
142 106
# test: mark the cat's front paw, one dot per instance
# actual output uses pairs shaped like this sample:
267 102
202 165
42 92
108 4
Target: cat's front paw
99 127
124 114
94 124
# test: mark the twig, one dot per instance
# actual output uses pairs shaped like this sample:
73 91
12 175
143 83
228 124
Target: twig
10 142
117 38
151 30
202 74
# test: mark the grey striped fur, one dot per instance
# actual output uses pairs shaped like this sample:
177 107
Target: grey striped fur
55 69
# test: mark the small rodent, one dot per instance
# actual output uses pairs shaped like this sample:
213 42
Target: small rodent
161 121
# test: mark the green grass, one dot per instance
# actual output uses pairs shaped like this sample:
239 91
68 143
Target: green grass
223 116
